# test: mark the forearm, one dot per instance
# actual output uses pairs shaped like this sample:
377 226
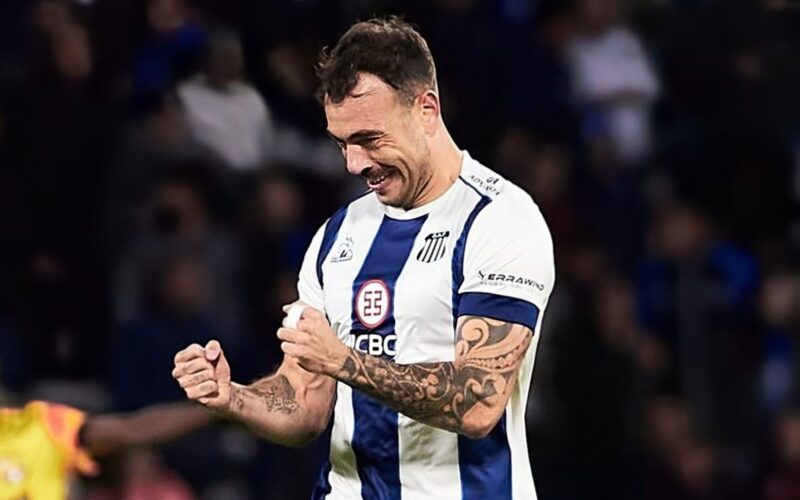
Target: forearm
466 396
425 391
276 410
107 434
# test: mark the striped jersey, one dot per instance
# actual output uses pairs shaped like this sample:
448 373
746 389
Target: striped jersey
392 283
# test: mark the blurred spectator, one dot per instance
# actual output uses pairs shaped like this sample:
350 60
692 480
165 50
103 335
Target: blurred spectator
178 294
696 293
784 482
682 466
276 240
145 478
171 49
613 84
156 145
224 112
177 222
779 304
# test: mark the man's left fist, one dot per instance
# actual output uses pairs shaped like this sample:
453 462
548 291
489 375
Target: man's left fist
313 343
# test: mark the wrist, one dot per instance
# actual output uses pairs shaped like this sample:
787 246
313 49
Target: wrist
338 360
234 403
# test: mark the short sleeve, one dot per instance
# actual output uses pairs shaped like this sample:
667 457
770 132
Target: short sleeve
309 288
508 269
63 425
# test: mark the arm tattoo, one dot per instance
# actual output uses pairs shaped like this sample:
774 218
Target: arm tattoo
488 354
276 394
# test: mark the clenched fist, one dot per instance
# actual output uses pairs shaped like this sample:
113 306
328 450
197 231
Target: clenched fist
204 375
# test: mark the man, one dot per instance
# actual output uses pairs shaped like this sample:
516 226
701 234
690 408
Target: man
423 301
224 112
42 444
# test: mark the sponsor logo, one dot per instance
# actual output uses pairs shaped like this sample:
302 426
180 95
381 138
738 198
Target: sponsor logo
499 279
344 251
372 303
488 184
373 344
434 247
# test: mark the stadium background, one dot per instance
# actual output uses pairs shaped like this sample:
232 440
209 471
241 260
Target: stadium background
661 139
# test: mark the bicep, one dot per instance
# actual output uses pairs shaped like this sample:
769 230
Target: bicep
489 352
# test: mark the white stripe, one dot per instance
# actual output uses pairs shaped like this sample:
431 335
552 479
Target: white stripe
428 462
428 456
343 477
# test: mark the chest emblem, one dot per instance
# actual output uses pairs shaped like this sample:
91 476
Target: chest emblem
344 251
434 247
372 303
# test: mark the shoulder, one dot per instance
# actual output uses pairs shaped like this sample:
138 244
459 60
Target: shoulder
506 204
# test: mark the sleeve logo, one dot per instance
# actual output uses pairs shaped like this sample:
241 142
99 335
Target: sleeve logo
499 279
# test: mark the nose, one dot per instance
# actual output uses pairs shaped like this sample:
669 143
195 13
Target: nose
357 159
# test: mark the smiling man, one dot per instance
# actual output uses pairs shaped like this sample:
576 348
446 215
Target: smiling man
422 300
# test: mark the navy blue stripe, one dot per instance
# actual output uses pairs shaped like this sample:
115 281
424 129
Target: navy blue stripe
329 238
485 465
375 442
460 248
499 307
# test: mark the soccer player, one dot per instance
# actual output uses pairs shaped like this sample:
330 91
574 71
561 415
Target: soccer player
42 444
424 299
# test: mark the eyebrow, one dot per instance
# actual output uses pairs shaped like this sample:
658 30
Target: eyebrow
357 136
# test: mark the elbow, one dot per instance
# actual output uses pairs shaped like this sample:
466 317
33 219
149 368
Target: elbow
478 427
302 436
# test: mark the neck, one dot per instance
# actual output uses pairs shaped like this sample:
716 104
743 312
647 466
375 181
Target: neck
445 165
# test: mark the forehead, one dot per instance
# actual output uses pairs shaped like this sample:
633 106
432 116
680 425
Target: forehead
372 105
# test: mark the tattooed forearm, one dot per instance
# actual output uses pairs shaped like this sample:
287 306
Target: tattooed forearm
488 354
274 394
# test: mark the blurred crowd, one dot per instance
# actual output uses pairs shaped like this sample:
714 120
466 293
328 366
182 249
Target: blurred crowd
163 165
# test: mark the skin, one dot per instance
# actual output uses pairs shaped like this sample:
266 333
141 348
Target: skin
107 434
408 146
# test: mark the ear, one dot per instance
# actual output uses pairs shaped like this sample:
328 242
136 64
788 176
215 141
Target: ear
429 110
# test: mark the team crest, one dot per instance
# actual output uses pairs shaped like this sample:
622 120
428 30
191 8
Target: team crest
344 251
372 303
434 247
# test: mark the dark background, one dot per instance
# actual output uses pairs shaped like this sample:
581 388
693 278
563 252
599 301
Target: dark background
141 210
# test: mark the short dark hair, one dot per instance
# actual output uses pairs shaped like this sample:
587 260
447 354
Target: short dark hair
387 47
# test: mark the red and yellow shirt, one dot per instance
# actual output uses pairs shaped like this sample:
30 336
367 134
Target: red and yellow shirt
39 450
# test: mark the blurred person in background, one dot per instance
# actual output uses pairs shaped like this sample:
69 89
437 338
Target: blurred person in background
783 481
779 305
178 219
171 49
224 112
696 294
156 145
176 308
681 465
43 444
276 237
613 84
177 298
144 477
58 132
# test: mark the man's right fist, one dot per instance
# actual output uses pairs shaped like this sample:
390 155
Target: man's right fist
204 375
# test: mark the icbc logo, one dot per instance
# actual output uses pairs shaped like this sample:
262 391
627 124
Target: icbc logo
372 303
